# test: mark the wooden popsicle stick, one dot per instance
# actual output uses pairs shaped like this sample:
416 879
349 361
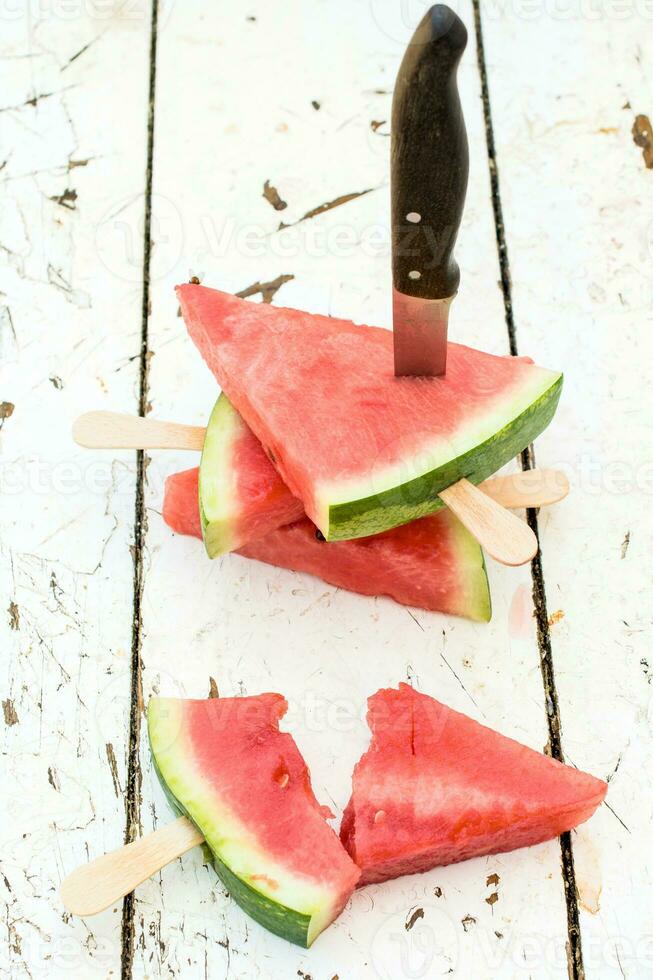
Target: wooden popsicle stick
101 883
112 430
504 536
528 488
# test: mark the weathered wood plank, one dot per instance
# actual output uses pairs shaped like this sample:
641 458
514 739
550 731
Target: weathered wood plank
317 133
575 190
73 137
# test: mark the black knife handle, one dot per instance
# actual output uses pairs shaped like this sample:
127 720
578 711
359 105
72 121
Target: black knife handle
430 158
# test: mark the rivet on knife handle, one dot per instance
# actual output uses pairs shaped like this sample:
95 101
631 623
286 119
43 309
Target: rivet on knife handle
430 164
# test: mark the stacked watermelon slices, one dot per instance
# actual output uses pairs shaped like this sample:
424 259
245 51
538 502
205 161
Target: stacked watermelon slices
433 562
317 458
435 787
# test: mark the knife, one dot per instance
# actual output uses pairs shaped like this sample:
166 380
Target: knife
429 169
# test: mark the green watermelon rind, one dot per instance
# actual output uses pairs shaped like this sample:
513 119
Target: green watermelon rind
214 502
485 605
479 604
279 919
416 498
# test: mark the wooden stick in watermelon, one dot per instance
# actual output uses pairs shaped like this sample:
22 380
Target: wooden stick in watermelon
432 563
363 450
479 793
98 885
243 789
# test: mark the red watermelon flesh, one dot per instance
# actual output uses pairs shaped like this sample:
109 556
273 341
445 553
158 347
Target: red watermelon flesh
180 510
364 451
432 563
243 782
268 501
436 787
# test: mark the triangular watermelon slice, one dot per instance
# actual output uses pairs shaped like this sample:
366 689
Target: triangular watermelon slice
436 787
224 763
363 450
433 563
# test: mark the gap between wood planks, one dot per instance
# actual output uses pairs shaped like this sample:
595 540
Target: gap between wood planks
134 777
574 947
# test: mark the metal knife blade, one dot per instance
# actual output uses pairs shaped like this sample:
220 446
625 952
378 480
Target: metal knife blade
420 334
429 169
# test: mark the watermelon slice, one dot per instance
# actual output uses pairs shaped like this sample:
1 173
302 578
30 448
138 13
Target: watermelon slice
363 450
241 494
436 787
224 763
433 563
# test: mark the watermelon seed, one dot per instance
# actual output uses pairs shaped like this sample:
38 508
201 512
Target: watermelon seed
379 816
319 535
283 779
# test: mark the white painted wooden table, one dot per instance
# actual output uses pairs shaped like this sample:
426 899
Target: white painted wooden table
102 606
